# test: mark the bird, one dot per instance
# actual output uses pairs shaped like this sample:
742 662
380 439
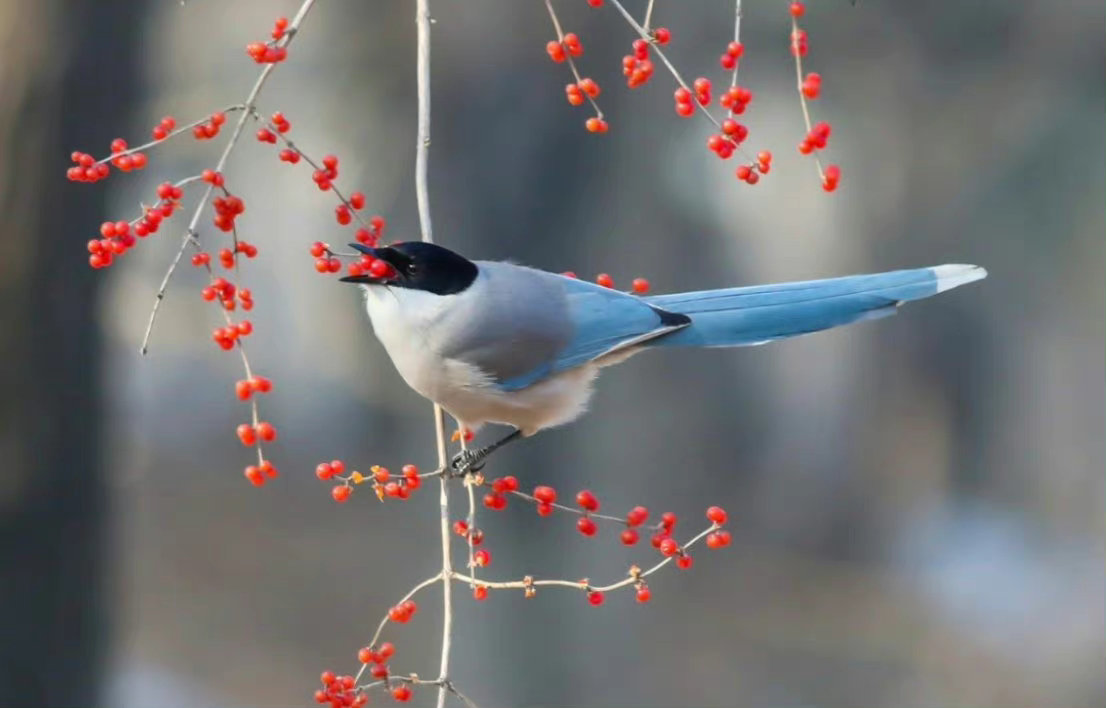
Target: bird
502 343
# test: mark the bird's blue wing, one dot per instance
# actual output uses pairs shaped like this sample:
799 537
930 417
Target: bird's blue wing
604 321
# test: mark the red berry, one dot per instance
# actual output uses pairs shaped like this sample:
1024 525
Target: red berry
480 592
323 471
640 285
341 493
266 431
797 9
253 473
247 434
669 547
327 678
716 515
662 35
735 49
596 125
545 495
401 693
482 557
586 500
595 598
629 537
555 51
643 594
544 509
585 526
637 516
357 200
605 280
684 562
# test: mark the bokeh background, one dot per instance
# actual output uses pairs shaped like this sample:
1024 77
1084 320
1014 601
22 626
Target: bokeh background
917 503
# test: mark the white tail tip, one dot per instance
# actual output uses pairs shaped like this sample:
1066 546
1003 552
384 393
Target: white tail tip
954 275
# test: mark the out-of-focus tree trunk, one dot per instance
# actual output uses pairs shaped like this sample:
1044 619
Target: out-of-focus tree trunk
56 68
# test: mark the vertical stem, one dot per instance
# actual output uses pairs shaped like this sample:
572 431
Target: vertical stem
422 149
422 19
736 38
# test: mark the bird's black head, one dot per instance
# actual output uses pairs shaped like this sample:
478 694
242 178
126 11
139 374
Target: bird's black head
419 266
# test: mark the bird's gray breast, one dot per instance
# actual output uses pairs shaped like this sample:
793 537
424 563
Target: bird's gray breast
511 321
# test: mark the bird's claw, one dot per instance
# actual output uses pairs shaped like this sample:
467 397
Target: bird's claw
466 461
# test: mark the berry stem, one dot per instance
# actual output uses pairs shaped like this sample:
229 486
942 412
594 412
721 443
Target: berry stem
634 576
384 620
802 97
644 34
190 232
736 38
568 56
173 133
422 197
648 16
354 212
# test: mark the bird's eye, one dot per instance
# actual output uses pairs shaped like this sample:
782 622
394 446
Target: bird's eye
411 269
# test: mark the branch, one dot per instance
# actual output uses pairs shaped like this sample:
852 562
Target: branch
636 574
248 105
422 150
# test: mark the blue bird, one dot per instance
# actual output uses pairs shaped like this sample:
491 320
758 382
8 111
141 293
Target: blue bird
495 342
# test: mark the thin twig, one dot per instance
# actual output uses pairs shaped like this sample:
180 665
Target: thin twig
802 97
422 150
648 16
736 38
384 620
190 231
644 34
581 584
171 134
568 56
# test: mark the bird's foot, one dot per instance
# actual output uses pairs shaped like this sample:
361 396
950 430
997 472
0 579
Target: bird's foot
466 461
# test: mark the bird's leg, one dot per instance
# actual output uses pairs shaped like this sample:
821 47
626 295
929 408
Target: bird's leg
473 460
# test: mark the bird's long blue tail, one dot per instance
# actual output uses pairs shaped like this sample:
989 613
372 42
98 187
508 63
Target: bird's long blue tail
744 316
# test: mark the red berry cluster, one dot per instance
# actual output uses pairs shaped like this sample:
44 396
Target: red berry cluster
227 337
209 128
736 99
86 168
731 56
568 46
799 44
227 209
245 388
340 691
123 160
719 538
576 92
816 139
812 85
257 474
501 487
637 67
474 536
223 290
403 612
164 127
270 52
751 173
377 659
385 484
116 238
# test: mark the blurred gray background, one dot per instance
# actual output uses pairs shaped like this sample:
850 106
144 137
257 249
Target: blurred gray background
917 503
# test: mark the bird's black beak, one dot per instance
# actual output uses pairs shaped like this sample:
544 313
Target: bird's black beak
380 254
